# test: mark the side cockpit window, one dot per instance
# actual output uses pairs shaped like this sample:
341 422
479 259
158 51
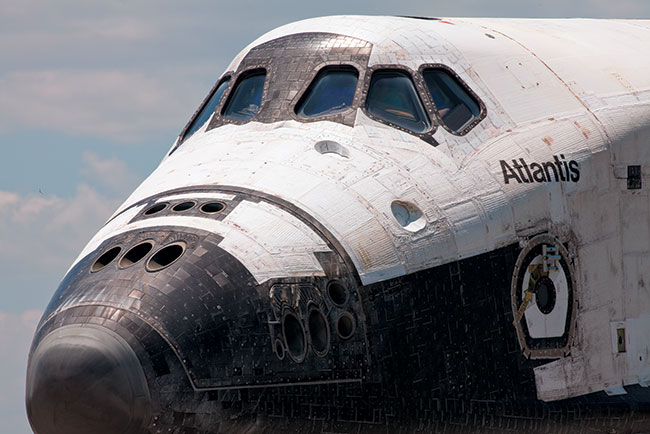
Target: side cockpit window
392 97
332 91
246 98
456 107
207 109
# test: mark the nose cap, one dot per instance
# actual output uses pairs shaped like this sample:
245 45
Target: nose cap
83 380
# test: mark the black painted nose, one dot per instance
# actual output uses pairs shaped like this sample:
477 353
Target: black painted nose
83 380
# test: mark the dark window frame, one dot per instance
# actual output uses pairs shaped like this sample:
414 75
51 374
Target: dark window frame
224 78
305 87
302 96
241 76
483 109
359 100
228 75
421 91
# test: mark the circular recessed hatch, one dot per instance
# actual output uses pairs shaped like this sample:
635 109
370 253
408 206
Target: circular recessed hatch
331 147
408 215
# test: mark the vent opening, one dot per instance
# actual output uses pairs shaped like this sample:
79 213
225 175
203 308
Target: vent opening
105 259
136 254
345 326
213 207
294 336
156 209
184 206
318 332
166 256
337 292
408 215
278 348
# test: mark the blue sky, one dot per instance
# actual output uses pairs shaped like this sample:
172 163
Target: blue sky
92 95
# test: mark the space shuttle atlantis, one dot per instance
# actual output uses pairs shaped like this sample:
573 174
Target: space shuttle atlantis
377 225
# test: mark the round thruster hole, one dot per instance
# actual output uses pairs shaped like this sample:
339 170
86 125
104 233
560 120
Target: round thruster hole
184 206
338 292
318 332
294 336
212 207
278 349
105 259
345 325
166 256
135 254
156 208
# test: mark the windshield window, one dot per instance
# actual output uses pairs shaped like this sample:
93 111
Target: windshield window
332 91
393 98
456 107
207 109
246 97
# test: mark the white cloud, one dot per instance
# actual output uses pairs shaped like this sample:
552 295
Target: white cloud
45 233
8 199
118 29
50 14
120 105
36 27
111 173
41 235
16 332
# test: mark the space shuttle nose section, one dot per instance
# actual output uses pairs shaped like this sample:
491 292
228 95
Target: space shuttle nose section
86 379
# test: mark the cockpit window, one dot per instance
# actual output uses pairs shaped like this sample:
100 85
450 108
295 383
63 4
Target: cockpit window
456 107
393 98
332 91
246 97
207 109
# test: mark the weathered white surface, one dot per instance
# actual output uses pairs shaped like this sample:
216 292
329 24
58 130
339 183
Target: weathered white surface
577 88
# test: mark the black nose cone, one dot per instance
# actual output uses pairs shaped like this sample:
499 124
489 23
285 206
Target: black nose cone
86 379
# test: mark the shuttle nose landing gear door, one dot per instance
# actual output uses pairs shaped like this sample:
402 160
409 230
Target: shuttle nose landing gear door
543 299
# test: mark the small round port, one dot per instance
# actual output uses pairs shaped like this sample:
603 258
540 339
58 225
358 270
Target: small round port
345 326
294 336
184 206
135 254
338 292
156 208
278 349
105 259
318 332
166 256
213 207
